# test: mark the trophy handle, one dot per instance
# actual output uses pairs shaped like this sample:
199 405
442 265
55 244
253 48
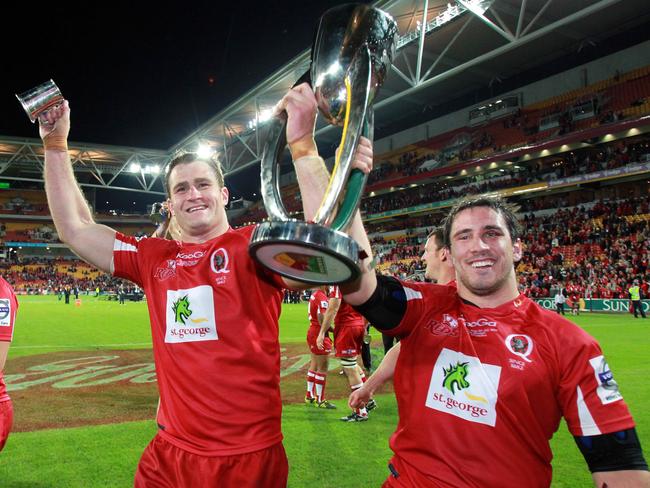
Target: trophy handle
276 141
339 204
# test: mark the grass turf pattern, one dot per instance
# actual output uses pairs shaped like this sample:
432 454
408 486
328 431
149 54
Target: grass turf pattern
322 451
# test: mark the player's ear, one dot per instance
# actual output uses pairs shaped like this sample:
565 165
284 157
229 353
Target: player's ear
444 254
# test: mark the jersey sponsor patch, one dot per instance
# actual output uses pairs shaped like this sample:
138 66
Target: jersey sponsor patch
190 315
464 387
607 389
5 312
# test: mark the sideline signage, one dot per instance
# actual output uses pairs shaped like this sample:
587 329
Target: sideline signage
607 305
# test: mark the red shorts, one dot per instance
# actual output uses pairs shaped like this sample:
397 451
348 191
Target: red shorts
163 465
6 420
312 335
348 340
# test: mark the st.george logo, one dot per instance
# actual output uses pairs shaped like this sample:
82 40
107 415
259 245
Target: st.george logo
463 386
190 315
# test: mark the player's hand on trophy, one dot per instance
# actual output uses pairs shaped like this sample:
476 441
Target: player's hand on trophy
301 107
362 159
55 122
359 398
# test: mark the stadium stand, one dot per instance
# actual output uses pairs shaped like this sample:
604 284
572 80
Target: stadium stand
582 195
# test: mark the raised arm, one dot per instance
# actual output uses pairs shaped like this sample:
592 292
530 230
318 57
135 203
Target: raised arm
70 211
313 178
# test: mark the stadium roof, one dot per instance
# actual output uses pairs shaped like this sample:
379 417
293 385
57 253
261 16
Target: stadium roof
468 50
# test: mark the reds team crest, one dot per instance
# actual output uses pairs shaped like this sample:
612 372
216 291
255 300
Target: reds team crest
220 265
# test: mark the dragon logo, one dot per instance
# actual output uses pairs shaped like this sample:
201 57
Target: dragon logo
455 377
181 308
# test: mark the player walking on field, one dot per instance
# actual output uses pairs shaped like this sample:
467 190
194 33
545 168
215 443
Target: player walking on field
322 310
349 330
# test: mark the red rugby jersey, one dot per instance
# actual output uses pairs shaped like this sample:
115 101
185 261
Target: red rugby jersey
8 308
318 303
214 321
481 391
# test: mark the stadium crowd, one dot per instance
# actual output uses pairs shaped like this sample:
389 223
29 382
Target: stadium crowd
39 276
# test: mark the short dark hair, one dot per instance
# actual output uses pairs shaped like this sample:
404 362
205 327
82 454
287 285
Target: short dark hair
438 233
190 157
497 204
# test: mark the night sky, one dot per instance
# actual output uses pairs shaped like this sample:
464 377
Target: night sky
147 74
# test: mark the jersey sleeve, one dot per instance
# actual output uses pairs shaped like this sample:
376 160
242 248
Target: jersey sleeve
127 258
415 306
8 309
589 396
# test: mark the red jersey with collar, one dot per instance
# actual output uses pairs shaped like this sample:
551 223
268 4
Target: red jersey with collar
8 308
481 391
214 321
318 303
346 315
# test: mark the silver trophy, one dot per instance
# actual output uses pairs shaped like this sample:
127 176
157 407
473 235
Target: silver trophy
40 99
352 52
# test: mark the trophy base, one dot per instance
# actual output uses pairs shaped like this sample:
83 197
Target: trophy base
305 252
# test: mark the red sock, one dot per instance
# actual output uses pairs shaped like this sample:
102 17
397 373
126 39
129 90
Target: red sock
310 383
319 381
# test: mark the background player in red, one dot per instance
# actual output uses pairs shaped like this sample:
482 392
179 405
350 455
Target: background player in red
8 308
439 269
322 309
217 354
349 330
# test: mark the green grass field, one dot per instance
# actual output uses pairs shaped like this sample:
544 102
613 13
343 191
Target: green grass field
322 451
